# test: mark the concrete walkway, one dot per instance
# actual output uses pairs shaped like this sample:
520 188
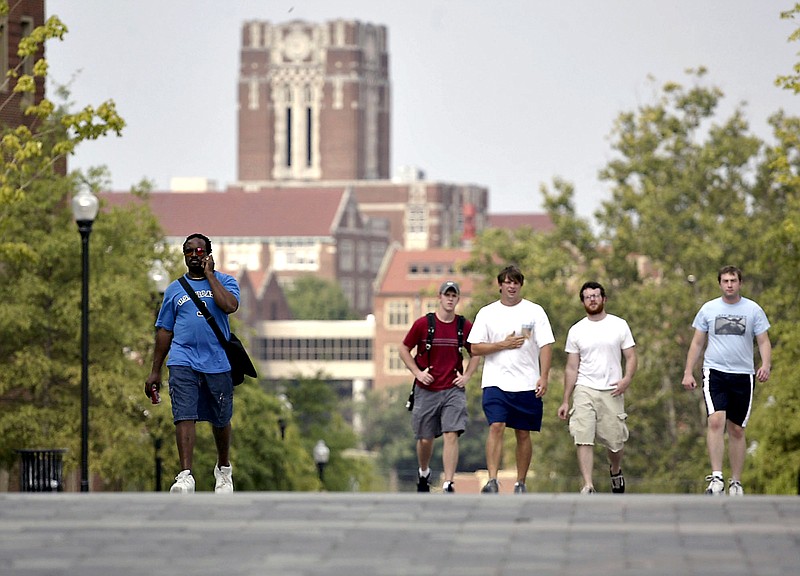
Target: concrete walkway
397 534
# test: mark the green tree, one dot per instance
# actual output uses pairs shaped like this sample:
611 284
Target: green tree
791 81
40 261
317 413
683 204
312 298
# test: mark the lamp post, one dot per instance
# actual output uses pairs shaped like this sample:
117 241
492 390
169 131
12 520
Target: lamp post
286 408
84 209
321 454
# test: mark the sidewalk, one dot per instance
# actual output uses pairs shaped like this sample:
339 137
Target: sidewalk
332 534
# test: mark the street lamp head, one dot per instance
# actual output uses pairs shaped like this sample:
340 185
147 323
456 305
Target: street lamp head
321 452
84 208
158 274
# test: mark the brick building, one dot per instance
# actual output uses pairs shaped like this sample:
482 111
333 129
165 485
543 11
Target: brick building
278 235
321 92
22 18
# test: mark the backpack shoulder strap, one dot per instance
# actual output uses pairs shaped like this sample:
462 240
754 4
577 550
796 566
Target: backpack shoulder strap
431 316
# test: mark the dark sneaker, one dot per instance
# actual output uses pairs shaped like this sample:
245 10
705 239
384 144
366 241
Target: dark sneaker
422 483
519 488
617 482
716 485
448 488
491 487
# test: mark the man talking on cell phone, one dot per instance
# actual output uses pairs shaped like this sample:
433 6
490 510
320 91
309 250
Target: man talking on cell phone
200 384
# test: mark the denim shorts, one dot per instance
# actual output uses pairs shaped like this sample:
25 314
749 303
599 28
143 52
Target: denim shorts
201 397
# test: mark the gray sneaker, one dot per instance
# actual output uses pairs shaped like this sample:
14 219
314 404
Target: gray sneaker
519 488
491 487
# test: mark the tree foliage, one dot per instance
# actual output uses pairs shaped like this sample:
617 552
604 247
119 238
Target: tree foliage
40 317
791 81
312 298
689 194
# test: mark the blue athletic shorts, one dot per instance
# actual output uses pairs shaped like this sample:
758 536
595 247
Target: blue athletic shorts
519 410
201 397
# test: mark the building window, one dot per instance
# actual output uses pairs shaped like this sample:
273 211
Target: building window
289 137
397 313
377 250
346 255
308 137
252 94
349 290
362 297
315 349
394 364
431 305
362 256
416 219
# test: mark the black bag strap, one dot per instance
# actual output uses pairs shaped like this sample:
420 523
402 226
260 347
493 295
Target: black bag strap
204 310
431 316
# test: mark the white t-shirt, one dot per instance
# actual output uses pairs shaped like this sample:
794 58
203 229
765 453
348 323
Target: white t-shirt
599 344
514 370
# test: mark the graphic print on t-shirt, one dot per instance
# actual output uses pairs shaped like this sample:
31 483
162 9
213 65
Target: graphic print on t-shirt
730 325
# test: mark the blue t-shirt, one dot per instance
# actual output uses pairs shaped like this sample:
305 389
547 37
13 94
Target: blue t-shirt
731 329
194 343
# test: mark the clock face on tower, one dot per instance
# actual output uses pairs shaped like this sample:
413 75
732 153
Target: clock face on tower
296 45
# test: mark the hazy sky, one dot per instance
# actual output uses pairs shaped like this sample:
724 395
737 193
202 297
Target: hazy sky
502 93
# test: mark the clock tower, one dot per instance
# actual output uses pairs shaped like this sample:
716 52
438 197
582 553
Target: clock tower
314 102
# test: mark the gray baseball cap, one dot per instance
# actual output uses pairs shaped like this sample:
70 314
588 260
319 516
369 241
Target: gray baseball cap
449 285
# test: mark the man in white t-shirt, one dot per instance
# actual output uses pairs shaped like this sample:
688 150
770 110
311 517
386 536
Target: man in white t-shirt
729 324
515 337
594 378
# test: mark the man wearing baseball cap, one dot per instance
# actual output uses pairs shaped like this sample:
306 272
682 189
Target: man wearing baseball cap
440 399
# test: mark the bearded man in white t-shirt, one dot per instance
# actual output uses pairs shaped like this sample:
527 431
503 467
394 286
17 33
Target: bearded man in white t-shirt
595 380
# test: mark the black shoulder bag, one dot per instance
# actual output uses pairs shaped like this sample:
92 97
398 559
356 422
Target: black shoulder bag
431 316
240 362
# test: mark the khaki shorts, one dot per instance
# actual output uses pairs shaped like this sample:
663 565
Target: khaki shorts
596 414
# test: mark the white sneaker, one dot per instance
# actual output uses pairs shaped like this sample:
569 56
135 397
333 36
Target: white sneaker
716 485
588 490
184 483
224 476
735 488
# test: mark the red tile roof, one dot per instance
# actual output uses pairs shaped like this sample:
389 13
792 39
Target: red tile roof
432 267
281 212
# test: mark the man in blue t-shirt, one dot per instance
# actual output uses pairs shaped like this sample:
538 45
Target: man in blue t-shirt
729 324
200 384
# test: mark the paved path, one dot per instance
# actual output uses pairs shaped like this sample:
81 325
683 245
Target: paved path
293 534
